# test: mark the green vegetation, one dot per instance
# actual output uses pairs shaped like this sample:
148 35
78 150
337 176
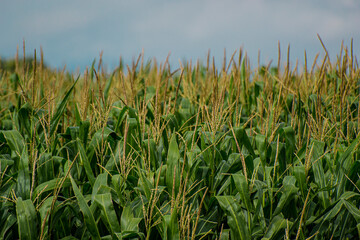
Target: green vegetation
147 152
9 65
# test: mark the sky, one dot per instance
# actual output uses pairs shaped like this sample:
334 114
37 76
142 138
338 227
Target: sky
75 32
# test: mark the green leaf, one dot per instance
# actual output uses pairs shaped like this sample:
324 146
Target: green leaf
107 87
261 145
88 216
170 227
345 162
26 219
20 154
275 229
144 184
243 139
129 235
50 186
105 203
60 110
134 136
120 118
288 134
100 182
5 162
225 234
48 167
77 115
317 167
299 173
243 188
288 193
15 141
84 131
331 214
100 136
353 210
129 223
85 162
25 118
353 175
9 220
235 216
23 184
45 215
173 166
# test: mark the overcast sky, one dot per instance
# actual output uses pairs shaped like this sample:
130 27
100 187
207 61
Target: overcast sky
74 32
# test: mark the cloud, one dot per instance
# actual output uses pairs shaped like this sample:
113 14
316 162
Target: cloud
199 21
76 31
200 25
56 22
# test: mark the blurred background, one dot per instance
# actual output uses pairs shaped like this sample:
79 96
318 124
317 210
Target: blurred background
74 32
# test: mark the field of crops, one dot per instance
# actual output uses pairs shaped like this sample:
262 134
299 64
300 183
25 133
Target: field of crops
199 152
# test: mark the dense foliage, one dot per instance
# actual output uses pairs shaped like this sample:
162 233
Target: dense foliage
198 153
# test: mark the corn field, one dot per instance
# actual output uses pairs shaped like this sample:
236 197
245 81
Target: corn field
199 152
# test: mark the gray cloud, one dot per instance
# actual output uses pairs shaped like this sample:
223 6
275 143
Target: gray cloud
74 32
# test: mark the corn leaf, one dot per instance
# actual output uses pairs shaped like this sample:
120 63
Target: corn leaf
235 217
60 109
88 216
105 203
173 166
26 219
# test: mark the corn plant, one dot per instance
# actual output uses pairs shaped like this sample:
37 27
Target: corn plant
200 152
